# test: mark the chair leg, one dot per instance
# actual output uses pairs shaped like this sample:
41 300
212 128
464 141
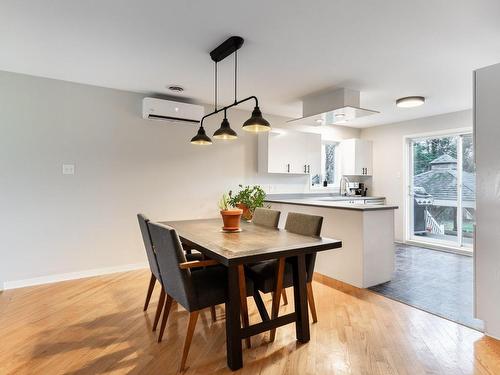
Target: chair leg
159 308
283 295
212 313
152 282
277 294
166 311
193 317
243 298
310 299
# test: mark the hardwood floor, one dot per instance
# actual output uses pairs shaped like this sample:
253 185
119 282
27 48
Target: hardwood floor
96 325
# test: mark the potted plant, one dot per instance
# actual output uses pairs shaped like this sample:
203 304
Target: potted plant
230 214
248 199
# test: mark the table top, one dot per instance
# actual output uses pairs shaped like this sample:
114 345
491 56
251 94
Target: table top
254 243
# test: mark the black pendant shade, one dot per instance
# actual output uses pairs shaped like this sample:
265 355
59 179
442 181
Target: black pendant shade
225 131
201 138
256 123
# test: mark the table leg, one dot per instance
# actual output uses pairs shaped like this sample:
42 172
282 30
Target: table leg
233 337
300 298
243 298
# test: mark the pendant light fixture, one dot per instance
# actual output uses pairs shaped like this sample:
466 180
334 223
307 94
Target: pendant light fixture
255 124
201 138
225 131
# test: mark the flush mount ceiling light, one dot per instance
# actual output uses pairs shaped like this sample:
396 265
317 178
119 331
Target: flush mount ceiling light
255 124
410 101
175 88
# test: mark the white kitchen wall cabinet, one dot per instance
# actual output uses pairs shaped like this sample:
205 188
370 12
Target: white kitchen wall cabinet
356 157
289 152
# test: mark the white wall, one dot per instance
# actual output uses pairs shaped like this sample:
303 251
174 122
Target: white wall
55 224
389 159
487 251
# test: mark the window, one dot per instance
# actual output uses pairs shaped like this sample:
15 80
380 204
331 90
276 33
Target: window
442 190
329 166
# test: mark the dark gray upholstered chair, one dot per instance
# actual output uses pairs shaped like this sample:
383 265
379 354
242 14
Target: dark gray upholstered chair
276 275
194 290
266 217
153 266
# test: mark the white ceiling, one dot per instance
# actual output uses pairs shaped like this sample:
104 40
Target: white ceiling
385 48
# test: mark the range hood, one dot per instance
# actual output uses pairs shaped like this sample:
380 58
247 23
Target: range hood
336 107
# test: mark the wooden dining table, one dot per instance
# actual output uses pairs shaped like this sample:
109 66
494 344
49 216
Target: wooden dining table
253 244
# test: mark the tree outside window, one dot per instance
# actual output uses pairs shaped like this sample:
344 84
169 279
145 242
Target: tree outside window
328 166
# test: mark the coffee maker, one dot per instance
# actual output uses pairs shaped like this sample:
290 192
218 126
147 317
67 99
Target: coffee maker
356 188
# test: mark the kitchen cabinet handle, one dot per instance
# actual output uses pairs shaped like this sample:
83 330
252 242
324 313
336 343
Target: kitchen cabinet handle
305 168
288 168
308 168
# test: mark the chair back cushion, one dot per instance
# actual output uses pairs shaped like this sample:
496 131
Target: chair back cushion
146 237
306 225
266 217
169 252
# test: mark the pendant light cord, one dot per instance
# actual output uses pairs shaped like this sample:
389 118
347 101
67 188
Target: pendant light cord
235 74
215 86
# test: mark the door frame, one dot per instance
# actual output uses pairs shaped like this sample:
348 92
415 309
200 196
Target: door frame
408 176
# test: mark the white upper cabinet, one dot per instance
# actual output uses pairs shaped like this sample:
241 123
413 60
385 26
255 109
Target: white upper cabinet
286 151
356 157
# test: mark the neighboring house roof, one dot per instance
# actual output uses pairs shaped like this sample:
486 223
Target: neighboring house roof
441 182
444 159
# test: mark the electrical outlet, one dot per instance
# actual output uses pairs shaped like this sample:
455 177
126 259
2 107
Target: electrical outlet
68 169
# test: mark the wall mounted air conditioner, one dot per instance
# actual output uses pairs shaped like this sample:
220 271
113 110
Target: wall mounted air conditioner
168 110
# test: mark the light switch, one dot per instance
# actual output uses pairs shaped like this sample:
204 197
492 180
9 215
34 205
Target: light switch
68 169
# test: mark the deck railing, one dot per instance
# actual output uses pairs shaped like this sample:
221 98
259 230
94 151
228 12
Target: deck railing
432 225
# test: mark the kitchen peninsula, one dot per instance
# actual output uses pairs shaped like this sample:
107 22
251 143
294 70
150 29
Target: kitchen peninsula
365 226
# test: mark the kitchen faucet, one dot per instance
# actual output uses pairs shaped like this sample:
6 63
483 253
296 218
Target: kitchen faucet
344 180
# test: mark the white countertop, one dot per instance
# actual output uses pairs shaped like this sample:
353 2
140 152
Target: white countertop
335 202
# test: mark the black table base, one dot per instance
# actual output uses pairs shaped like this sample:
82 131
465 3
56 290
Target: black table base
234 332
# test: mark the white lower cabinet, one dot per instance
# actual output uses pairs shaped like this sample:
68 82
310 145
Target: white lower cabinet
289 152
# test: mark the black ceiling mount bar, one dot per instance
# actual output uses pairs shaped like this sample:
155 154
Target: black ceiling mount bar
226 48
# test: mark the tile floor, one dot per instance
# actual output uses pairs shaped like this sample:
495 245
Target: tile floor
438 282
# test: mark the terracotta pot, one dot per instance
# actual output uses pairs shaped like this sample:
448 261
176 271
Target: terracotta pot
231 219
247 214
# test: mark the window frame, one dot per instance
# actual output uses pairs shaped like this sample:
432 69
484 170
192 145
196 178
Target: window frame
337 175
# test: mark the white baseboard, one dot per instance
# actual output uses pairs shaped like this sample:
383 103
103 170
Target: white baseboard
72 275
443 248
493 337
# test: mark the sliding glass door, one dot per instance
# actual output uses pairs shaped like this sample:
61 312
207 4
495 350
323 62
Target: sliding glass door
441 189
